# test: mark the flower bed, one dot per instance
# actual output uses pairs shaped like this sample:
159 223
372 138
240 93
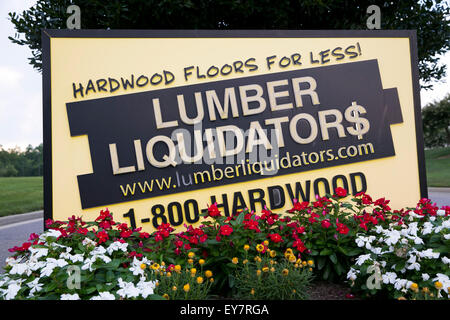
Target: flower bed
245 256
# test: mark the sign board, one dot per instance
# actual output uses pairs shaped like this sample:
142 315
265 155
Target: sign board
156 125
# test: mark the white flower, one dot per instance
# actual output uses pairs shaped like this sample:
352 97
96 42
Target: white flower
442 278
12 290
427 228
37 253
399 284
146 288
20 269
51 264
50 233
377 250
389 277
127 289
418 240
35 286
392 237
428 254
445 260
412 229
74 296
378 229
425 276
362 258
447 236
352 274
115 246
360 241
104 296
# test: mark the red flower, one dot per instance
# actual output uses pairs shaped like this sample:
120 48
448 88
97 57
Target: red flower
144 235
275 237
225 230
342 228
251 225
213 211
326 224
298 206
126 233
340 192
102 236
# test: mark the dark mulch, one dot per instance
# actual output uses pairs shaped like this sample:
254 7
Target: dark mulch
320 290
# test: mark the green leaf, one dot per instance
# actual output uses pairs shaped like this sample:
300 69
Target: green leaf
326 252
333 258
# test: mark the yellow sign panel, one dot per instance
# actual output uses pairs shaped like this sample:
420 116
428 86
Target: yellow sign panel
156 125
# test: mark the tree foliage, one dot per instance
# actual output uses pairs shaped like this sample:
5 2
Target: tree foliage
17 163
436 123
428 17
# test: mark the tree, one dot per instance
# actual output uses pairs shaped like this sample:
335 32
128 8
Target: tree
436 123
429 17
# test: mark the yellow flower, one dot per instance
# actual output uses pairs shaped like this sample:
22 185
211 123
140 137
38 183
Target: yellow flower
292 258
425 290
252 292
272 269
208 273
163 263
174 288
235 260
211 280
304 263
273 253
285 272
199 280
191 254
143 266
259 247
258 272
294 291
166 296
401 298
438 285
296 265
288 251
272 262
186 287
201 262
414 286
246 247
266 242
310 262
258 259
155 266
168 274
177 268
310 269
245 261
190 261
299 261
265 269
193 271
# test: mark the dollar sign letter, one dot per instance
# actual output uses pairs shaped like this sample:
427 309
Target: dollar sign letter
362 125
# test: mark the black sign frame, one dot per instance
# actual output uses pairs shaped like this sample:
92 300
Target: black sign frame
48 34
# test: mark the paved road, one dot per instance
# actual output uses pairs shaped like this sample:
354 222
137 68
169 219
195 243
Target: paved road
15 234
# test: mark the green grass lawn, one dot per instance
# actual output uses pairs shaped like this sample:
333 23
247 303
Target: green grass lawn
20 194
437 162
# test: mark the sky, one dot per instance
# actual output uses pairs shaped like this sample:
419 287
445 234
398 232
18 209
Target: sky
21 86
